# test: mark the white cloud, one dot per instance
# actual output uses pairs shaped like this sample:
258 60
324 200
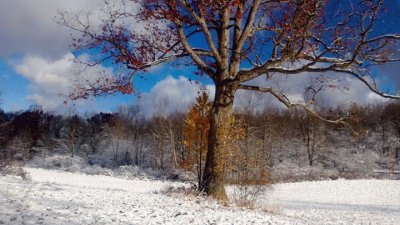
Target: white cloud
344 91
170 95
52 80
29 27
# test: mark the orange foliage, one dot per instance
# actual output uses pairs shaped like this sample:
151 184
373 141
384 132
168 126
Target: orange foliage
197 125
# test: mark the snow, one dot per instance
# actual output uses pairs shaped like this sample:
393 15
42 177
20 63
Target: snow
341 201
56 197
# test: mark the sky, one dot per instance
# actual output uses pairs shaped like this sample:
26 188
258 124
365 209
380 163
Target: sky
36 68
36 65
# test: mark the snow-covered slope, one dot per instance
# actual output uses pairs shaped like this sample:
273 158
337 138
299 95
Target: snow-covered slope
55 197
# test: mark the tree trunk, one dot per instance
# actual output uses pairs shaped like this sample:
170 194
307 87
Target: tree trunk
220 123
173 146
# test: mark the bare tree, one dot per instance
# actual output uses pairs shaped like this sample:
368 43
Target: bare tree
391 134
118 132
73 131
134 131
175 123
26 130
160 131
233 42
313 131
312 128
251 160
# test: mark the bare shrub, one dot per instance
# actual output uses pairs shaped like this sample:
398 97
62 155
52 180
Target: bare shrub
247 196
14 169
61 162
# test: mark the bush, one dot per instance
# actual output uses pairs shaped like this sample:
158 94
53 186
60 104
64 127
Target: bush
62 162
78 164
248 195
14 169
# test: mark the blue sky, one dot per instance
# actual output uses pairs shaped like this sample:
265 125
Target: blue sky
18 88
35 64
13 87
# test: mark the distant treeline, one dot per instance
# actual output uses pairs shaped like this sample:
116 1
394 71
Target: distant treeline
127 138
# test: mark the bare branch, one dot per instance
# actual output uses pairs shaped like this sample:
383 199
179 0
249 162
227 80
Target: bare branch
201 64
284 100
279 96
206 31
371 87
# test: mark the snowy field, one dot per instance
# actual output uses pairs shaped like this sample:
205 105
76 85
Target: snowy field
55 197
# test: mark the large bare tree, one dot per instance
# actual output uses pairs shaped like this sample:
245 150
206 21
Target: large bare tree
233 42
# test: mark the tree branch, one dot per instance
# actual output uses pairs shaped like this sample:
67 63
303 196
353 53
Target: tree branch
284 100
200 63
205 29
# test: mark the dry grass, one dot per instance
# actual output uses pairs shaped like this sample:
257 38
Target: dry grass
185 190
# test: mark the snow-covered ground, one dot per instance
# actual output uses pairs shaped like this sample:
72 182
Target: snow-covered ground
55 197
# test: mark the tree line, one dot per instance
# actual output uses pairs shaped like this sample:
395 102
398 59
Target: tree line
178 141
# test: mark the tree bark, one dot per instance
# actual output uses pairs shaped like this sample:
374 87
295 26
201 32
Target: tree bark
220 123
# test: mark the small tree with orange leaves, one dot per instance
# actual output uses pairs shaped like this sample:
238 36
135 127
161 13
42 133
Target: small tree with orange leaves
197 125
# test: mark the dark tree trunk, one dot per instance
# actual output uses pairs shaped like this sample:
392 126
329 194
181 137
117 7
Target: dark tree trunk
221 118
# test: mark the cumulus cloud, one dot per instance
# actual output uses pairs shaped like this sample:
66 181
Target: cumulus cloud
171 95
52 80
